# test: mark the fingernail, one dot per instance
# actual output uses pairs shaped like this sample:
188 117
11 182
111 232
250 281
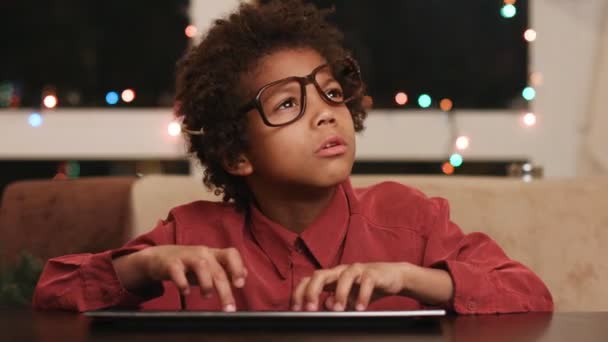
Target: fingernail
230 308
338 307
311 306
207 295
297 307
360 307
239 282
186 291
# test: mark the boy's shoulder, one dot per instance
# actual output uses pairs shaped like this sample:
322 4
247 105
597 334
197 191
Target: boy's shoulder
197 212
208 223
393 204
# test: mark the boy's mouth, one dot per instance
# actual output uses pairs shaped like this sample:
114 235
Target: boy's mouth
331 147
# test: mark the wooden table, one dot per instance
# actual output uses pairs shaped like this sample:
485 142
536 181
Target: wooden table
27 325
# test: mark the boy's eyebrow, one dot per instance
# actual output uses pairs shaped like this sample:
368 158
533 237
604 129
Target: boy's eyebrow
285 88
329 79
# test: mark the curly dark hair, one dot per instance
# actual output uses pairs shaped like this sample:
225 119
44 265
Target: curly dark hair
209 75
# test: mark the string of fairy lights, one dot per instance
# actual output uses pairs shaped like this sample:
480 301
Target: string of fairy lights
459 142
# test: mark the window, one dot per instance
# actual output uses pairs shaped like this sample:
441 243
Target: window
462 50
82 50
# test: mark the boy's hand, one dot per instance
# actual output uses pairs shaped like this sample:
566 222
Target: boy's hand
354 285
209 268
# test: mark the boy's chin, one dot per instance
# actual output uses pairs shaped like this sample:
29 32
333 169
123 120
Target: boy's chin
332 178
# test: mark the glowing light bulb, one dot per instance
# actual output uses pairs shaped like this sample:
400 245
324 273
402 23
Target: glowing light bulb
446 105
528 93
456 160
174 129
462 143
128 95
112 98
530 35
424 101
508 11
447 168
50 101
35 120
529 119
190 31
401 98
536 78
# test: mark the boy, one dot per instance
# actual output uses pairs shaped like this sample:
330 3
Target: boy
271 103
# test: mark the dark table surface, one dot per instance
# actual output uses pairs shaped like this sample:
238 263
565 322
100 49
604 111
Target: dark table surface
28 325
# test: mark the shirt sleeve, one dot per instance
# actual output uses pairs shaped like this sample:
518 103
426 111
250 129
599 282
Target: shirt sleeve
83 282
485 279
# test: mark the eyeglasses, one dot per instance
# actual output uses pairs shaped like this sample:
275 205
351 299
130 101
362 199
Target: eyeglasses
284 101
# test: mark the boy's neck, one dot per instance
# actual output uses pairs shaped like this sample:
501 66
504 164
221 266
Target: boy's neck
294 209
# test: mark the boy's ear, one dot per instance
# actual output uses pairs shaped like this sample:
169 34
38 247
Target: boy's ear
242 166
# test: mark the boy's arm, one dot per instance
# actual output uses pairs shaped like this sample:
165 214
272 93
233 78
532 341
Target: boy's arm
82 282
485 279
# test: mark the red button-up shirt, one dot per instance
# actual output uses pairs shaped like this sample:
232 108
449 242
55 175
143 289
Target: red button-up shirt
388 222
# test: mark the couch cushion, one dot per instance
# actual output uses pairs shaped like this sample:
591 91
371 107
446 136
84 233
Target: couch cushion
153 196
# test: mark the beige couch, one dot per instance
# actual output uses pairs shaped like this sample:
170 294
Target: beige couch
559 228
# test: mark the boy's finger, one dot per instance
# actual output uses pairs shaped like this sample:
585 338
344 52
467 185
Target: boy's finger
177 272
222 285
366 289
330 302
344 287
315 287
202 272
298 294
231 260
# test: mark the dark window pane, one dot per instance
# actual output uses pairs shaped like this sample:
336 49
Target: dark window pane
83 49
462 50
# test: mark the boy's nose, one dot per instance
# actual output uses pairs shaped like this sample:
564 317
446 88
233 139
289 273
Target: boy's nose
322 112
325 117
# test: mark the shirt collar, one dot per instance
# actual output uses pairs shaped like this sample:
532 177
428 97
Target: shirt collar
323 238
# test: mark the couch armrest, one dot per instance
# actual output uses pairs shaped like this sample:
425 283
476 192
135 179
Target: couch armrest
48 218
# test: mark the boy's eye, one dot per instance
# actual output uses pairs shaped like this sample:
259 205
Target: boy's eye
289 103
335 93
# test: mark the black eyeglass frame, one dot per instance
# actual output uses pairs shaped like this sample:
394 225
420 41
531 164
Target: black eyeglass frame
255 103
